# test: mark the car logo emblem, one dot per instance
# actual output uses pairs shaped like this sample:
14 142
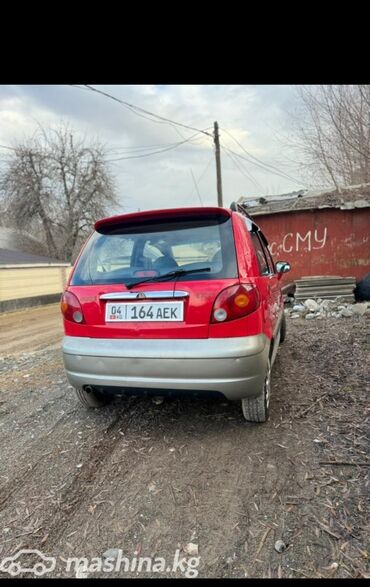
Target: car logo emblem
141 295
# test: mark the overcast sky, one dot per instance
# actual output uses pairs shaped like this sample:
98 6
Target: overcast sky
256 116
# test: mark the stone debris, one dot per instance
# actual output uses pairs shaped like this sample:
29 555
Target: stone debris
319 308
346 312
280 546
311 305
360 308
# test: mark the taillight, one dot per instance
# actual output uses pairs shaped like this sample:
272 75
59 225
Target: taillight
235 302
71 308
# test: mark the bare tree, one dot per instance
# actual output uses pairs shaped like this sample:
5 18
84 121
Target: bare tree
334 132
56 185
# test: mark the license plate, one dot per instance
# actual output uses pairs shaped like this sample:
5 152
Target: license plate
145 312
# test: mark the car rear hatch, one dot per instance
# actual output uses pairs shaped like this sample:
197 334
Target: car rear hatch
155 274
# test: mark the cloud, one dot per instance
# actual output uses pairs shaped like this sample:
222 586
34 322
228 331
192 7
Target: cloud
250 113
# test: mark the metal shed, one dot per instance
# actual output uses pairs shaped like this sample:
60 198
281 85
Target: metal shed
319 233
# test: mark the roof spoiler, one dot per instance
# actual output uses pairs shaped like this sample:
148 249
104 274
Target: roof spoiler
148 216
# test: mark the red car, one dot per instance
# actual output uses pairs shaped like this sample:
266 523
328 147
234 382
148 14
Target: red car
179 301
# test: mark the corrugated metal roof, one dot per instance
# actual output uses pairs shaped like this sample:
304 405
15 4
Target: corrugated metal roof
9 257
348 198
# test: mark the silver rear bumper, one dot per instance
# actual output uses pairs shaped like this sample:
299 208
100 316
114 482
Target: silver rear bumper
234 367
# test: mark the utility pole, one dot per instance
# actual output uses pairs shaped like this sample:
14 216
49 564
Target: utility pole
216 140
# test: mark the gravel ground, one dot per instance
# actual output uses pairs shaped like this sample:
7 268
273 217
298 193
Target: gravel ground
151 478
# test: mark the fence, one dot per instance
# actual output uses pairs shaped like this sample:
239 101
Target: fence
23 286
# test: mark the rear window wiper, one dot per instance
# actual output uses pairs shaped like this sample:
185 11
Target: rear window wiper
175 273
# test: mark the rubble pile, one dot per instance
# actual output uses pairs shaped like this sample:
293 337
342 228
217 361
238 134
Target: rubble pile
318 309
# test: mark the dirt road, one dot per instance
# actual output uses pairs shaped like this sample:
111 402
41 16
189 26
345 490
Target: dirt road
30 330
149 479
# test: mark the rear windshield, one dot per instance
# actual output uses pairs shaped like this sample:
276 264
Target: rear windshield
124 254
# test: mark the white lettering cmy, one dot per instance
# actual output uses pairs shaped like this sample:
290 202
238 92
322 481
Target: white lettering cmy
321 241
285 249
295 241
303 239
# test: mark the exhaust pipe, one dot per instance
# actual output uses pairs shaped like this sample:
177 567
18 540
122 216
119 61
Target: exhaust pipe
88 388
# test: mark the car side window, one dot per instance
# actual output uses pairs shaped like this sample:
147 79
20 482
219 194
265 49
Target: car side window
261 257
268 256
270 260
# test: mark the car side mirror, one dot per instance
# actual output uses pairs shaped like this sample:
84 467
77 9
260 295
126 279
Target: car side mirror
282 267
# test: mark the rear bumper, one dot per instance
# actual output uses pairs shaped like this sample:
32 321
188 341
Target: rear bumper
234 367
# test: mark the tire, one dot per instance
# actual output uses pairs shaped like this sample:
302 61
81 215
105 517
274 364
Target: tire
257 409
283 330
92 398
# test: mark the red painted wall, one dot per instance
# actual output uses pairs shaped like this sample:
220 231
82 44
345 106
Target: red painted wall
320 242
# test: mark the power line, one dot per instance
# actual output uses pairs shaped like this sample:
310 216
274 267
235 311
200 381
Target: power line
169 148
137 110
134 149
174 146
205 170
266 169
255 158
258 162
196 187
142 148
155 146
243 171
132 108
263 166
202 175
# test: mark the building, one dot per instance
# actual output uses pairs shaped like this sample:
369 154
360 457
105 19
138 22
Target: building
319 233
29 280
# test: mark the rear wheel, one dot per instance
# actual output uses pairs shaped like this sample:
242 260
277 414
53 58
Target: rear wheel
257 409
91 398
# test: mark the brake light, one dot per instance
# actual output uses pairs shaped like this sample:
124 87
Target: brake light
235 302
71 308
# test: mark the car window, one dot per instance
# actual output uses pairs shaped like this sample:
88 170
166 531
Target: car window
203 250
260 254
121 255
266 250
270 260
151 252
